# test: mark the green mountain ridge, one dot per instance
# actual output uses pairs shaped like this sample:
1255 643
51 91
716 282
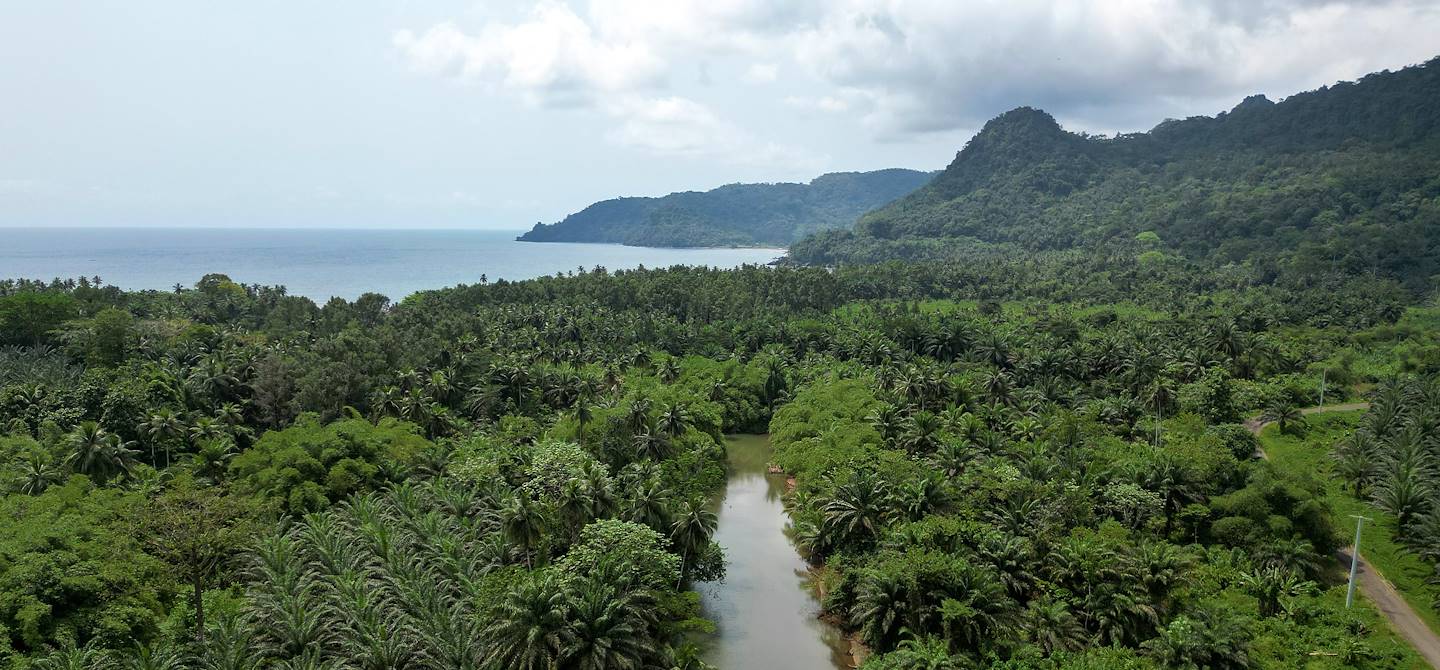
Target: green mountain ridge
1344 177
734 214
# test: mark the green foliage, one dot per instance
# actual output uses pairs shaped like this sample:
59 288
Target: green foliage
71 568
1024 462
29 318
733 215
1335 179
826 425
643 553
309 465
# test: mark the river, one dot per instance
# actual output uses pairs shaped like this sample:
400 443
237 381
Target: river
764 610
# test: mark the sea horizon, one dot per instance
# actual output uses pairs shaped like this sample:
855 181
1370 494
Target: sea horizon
321 263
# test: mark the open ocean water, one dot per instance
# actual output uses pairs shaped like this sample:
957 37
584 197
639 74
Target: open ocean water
319 264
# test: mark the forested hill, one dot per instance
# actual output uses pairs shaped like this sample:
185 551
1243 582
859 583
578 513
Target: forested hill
1346 175
736 214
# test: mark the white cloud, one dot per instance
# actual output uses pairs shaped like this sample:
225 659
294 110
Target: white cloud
762 73
671 126
914 66
552 59
676 126
824 103
937 65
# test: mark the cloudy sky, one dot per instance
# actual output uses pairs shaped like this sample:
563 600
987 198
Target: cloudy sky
499 114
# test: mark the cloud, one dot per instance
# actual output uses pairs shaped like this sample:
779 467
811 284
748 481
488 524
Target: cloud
615 59
762 73
670 126
825 103
676 126
908 67
929 65
553 58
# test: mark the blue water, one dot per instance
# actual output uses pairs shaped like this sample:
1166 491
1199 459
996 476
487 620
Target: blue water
320 264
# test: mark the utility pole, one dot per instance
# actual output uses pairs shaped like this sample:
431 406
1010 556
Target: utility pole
1322 386
1354 559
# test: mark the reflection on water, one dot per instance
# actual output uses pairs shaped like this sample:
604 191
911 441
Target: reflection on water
764 610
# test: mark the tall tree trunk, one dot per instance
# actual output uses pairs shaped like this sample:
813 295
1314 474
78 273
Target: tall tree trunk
199 609
684 556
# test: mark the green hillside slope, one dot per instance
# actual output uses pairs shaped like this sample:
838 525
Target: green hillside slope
736 214
1346 176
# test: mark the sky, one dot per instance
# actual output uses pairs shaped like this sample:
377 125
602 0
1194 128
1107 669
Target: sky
501 114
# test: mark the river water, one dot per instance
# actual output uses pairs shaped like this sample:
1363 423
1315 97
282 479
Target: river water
765 611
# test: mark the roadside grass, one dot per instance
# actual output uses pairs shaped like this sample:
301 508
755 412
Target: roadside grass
1309 454
1378 633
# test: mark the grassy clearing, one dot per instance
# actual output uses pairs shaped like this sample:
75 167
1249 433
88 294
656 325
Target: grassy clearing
1308 454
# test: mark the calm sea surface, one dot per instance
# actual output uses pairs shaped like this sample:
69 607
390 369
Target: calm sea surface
322 263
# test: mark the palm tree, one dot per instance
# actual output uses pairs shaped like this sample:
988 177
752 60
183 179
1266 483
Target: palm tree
693 527
1295 555
38 473
1160 568
887 422
669 370
603 630
88 444
1118 613
653 444
951 458
1355 461
978 612
925 653
1166 476
583 415
212 460
151 657
575 506
385 402
1405 495
524 522
528 629
207 428
480 399
922 433
649 506
919 498
230 414
600 490
163 427
1284 413
858 509
92 656
1053 628
98 453
1271 586
881 608
674 420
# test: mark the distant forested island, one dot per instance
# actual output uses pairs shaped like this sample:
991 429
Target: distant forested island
735 214
1346 176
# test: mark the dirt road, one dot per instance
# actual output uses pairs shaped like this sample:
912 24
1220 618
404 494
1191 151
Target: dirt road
1372 584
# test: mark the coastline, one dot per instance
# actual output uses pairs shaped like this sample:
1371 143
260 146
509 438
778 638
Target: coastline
757 247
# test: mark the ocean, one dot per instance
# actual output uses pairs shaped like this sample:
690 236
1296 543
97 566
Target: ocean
319 264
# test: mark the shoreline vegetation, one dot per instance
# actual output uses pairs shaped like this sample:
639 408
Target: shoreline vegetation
782 250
